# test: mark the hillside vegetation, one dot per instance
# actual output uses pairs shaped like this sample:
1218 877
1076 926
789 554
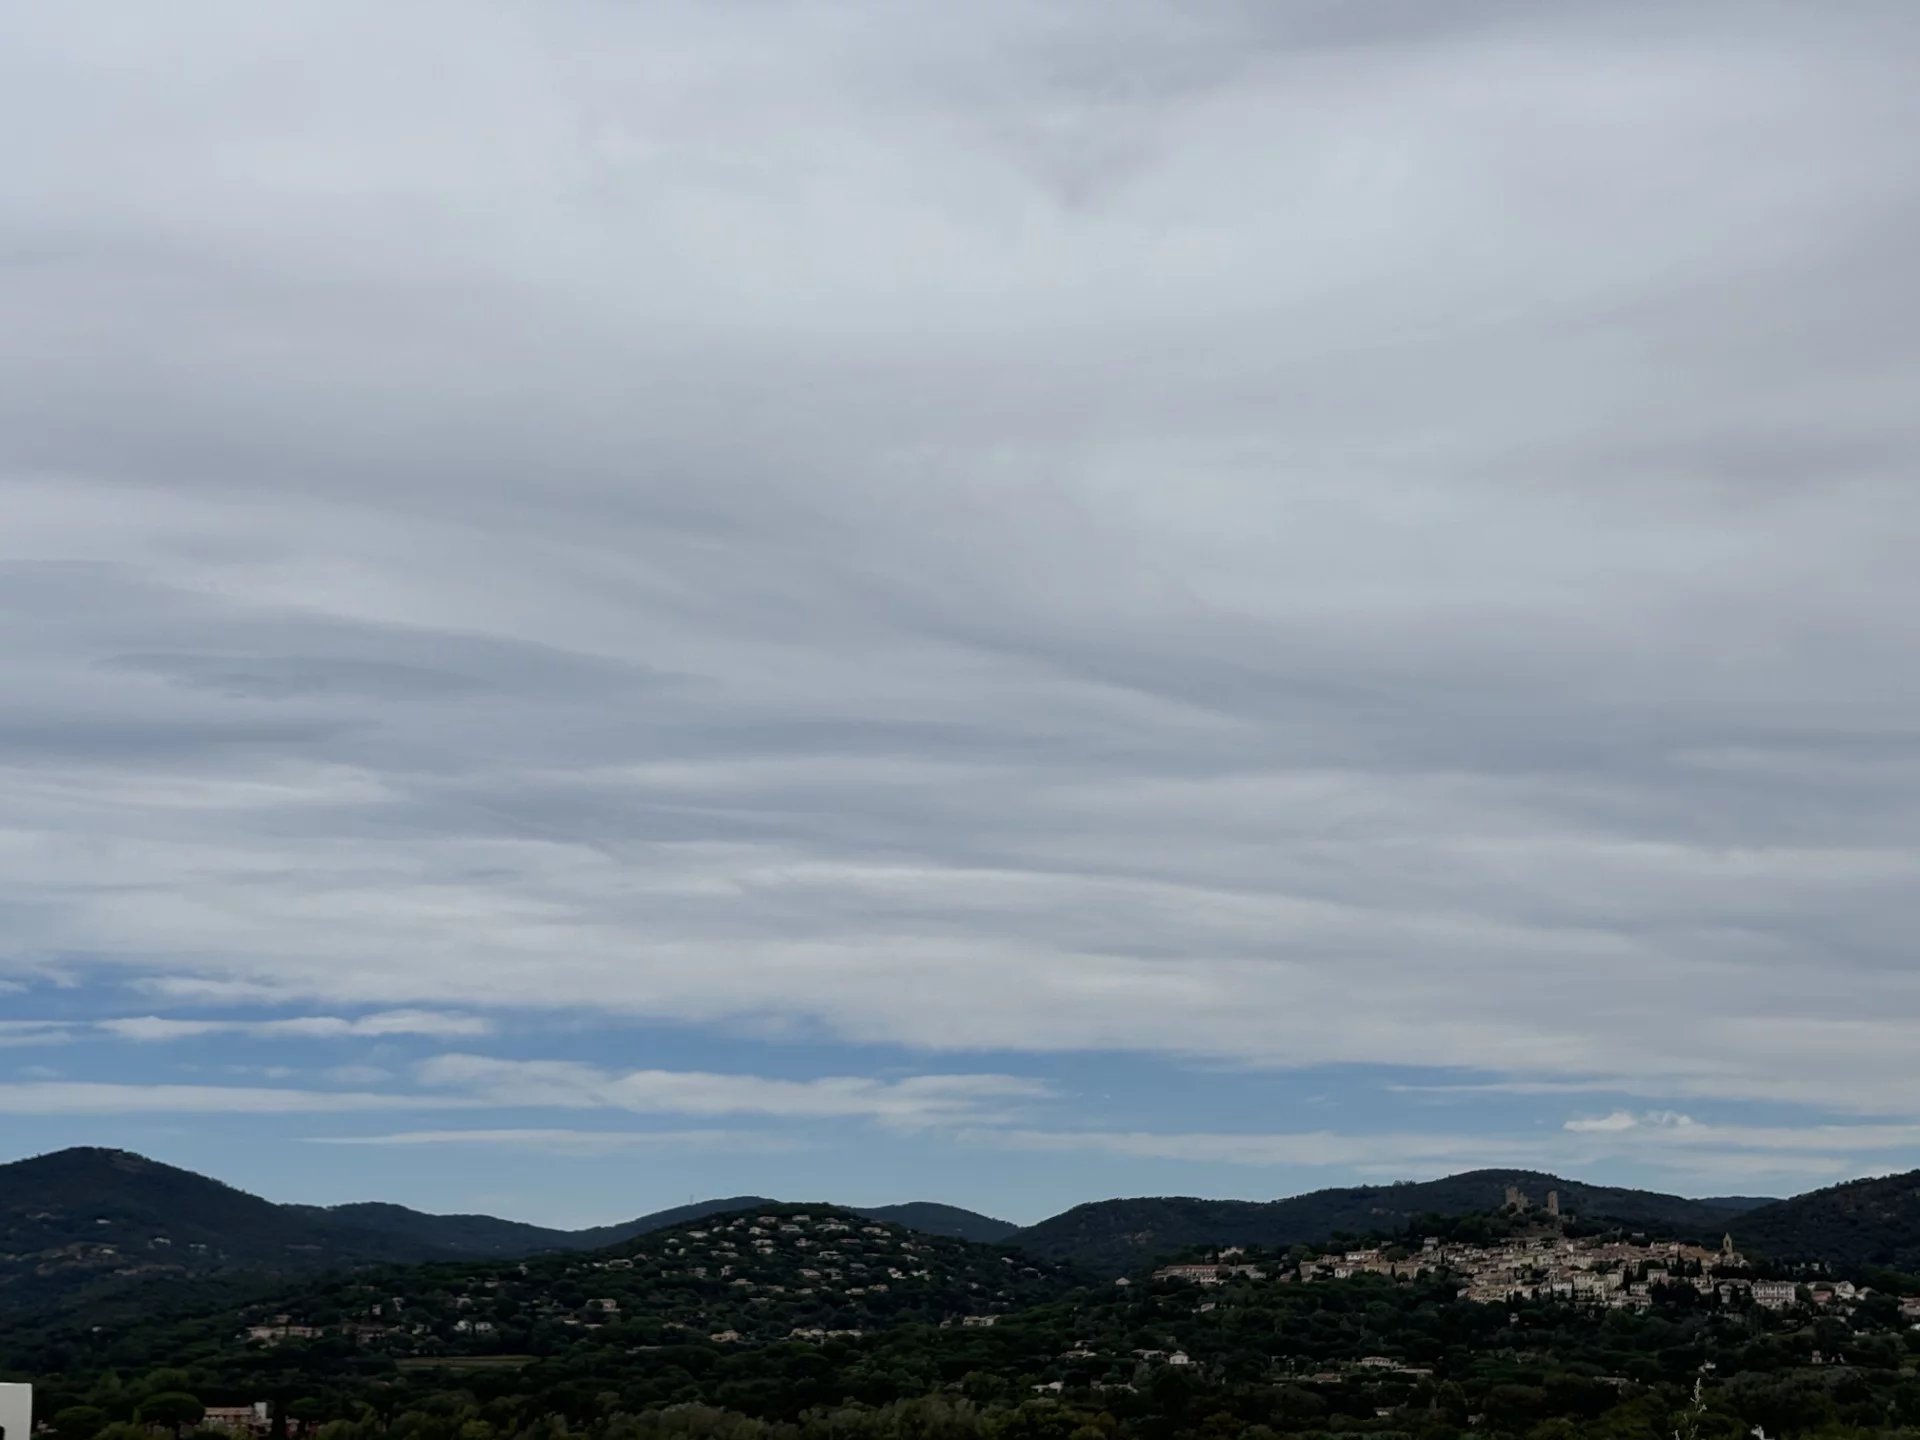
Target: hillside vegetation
1114 1236
117 1232
774 1273
797 1323
82 1220
1863 1222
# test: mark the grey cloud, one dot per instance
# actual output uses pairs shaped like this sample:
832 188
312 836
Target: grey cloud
279 677
62 737
581 1142
1259 526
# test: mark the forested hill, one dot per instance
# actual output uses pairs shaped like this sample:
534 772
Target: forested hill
806 1324
948 1220
922 1215
89 1224
427 1235
84 1222
1113 1236
771 1274
761 1275
601 1236
1738 1204
81 1220
1863 1222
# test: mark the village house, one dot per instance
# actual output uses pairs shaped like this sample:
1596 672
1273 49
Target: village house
254 1419
1209 1274
280 1330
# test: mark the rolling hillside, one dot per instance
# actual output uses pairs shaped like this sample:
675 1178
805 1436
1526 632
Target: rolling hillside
1863 1222
86 1224
923 1215
771 1273
448 1234
1117 1235
948 1220
82 1220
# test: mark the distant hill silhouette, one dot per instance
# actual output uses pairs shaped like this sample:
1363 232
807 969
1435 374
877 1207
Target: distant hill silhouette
603 1235
1117 1235
89 1222
1862 1222
923 1215
1739 1204
462 1236
757 1275
948 1220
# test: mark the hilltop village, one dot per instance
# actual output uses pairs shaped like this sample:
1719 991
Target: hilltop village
1471 1324
1620 1274
814 1276
1546 1264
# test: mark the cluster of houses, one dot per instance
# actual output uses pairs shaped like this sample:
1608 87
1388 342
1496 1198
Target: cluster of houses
719 1273
1619 1274
1614 1274
254 1419
281 1327
842 1257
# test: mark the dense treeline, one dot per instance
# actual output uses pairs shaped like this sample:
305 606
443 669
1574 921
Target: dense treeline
743 1327
1265 1359
1863 1222
1114 1236
86 1230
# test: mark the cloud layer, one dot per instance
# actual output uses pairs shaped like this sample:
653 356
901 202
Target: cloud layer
381 1025
1294 535
916 1099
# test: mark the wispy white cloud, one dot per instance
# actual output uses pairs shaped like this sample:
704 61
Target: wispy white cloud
581 1142
78 1097
917 1099
1870 1086
474 1081
1664 1128
1307 1148
33 1032
1701 1171
1620 1121
1684 1153
356 1074
302 1027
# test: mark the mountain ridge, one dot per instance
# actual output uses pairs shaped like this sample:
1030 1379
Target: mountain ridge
86 1220
755 1273
1114 1236
1874 1220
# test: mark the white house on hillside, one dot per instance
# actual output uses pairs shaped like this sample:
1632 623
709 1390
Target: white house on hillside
16 1412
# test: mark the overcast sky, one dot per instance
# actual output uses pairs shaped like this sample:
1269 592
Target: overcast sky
1005 602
